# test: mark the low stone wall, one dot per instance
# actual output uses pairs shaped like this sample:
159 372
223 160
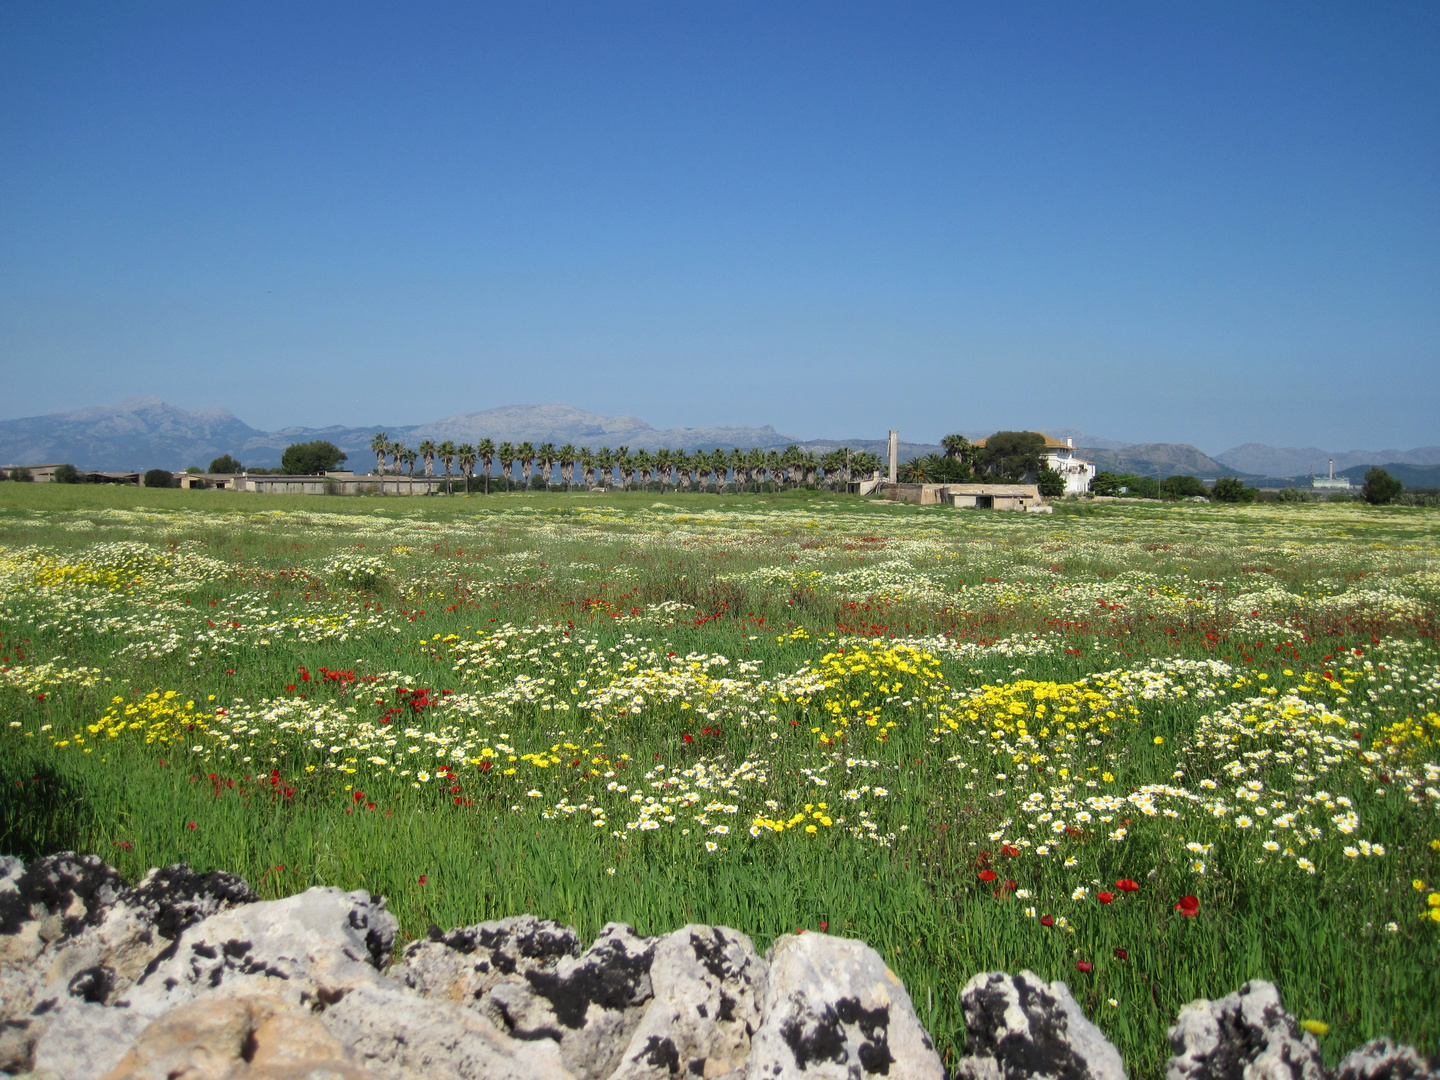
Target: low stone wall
190 976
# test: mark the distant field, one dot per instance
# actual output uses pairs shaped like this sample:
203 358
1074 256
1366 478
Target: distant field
1183 746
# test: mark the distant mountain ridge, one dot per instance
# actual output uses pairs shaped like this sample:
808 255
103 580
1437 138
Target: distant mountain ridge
146 432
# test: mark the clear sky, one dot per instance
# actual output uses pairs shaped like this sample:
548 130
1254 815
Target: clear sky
1184 222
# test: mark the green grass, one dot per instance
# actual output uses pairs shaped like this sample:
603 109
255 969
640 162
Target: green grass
129 582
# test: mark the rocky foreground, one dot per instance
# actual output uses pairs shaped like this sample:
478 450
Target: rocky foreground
190 976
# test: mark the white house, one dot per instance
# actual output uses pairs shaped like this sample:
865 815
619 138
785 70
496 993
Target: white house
1061 457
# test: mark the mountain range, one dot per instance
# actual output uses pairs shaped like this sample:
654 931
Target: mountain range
143 433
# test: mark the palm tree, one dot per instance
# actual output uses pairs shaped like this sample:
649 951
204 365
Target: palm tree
566 457
485 451
397 450
381 446
427 451
957 447
809 465
409 456
681 460
834 465
662 467
547 457
604 463
586 457
525 457
466 453
737 462
506 454
645 462
914 471
447 452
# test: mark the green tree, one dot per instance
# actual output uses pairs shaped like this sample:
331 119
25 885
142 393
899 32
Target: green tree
1105 482
547 455
427 451
1231 489
566 456
226 464
159 478
466 453
311 458
1182 486
67 474
958 448
1050 483
446 451
1011 455
21 475
1380 487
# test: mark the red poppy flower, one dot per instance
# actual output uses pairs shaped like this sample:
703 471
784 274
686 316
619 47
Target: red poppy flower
687 738
988 875
824 926
1188 905
191 825
1105 897
1006 849
1126 885
1047 920
422 879
1083 965
1010 885
1122 954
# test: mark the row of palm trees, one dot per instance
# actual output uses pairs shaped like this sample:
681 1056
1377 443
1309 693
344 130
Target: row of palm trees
621 467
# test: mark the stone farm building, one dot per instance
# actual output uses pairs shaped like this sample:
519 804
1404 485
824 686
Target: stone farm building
970 496
1060 456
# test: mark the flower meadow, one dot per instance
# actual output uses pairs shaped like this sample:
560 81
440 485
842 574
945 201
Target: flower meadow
1153 751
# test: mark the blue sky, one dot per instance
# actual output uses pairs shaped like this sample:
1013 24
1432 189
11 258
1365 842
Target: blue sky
1209 223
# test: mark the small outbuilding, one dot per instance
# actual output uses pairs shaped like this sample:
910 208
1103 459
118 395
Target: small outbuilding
970 496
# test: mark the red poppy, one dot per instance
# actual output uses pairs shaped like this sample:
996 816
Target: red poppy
422 879
191 825
358 796
1083 965
1047 920
824 926
1010 885
1006 849
1105 897
988 875
1122 954
687 738
1126 885
1188 905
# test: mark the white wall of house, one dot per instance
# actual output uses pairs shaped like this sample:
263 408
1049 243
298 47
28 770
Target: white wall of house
1077 471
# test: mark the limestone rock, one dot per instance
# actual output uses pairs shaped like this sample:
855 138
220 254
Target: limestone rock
709 983
1019 1027
590 1004
243 1038
463 965
309 950
1246 1035
397 1035
1381 1059
833 1009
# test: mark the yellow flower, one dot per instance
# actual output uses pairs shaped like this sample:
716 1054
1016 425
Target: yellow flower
1433 899
1159 739
1419 885
1315 1027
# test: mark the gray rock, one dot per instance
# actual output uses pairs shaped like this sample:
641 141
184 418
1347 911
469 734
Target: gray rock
1019 1027
709 984
833 1009
590 1005
463 965
1381 1059
309 950
396 1035
1246 1035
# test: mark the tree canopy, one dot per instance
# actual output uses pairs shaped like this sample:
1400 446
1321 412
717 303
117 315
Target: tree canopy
1380 487
1011 455
311 458
226 464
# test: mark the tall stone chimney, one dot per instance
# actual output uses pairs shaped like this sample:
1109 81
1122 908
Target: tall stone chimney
894 456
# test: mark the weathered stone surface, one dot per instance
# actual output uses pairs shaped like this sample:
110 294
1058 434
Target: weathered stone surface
237 1038
309 950
590 1005
462 965
709 985
1381 1059
833 1009
1246 1035
71 929
1020 1027
398 1035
